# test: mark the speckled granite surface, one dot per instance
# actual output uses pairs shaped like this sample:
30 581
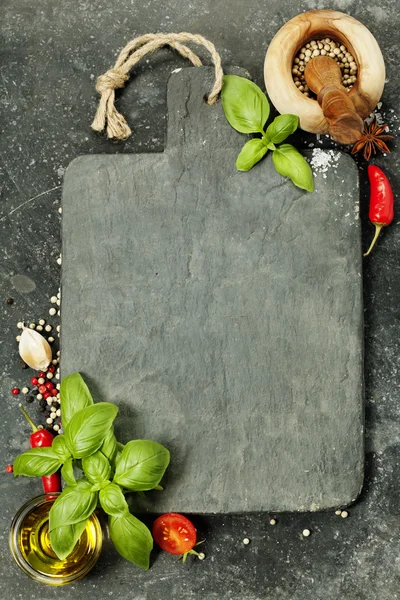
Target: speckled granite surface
51 54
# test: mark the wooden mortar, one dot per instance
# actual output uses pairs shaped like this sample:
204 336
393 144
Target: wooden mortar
337 112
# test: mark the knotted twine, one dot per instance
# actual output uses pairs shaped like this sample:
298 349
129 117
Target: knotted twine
118 75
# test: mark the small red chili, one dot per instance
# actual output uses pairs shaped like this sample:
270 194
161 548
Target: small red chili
381 202
15 391
34 381
49 385
9 469
41 438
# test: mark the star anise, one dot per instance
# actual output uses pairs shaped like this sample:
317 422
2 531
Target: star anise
372 139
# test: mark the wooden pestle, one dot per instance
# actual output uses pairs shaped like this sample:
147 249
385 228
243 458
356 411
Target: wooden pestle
324 78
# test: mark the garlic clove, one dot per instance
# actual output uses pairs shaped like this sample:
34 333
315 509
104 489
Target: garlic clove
34 350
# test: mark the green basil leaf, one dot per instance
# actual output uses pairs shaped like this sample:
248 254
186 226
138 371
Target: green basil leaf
87 429
141 465
109 446
96 467
73 505
64 539
37 462
96 487
113 501
67 472
132 539
74 395
246 107
281 127
250 154
115 460
290 163
60 447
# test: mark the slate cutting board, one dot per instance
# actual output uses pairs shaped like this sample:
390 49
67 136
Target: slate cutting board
222 311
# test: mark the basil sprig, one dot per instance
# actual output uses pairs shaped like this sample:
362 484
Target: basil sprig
132 539
65 538
141 465
73 505
75 394
87 429
109 470
37 462
247 109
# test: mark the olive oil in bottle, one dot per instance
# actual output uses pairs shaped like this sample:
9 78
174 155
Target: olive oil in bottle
30 545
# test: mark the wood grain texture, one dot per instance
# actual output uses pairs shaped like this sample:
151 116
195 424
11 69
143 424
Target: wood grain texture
222 312
318 24
324 78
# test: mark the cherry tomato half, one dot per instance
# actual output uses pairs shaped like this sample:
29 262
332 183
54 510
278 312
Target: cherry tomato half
174 533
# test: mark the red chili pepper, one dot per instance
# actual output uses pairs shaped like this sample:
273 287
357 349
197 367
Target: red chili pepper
41 438
381 202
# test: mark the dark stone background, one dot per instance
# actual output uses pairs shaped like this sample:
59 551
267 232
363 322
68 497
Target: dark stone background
52 53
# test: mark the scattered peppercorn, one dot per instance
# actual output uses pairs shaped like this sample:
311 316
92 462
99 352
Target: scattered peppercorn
42 389
29 399
344 514
52 312
10 301
24 365
51 368
9 469
25 390
41 374
34 381
46 395
42 408
43 402
15 391
49 386
306 532
54 392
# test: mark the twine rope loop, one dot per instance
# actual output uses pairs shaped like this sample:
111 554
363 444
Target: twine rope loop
107 117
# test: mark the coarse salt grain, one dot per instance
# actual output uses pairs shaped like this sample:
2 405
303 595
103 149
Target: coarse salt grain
323 160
